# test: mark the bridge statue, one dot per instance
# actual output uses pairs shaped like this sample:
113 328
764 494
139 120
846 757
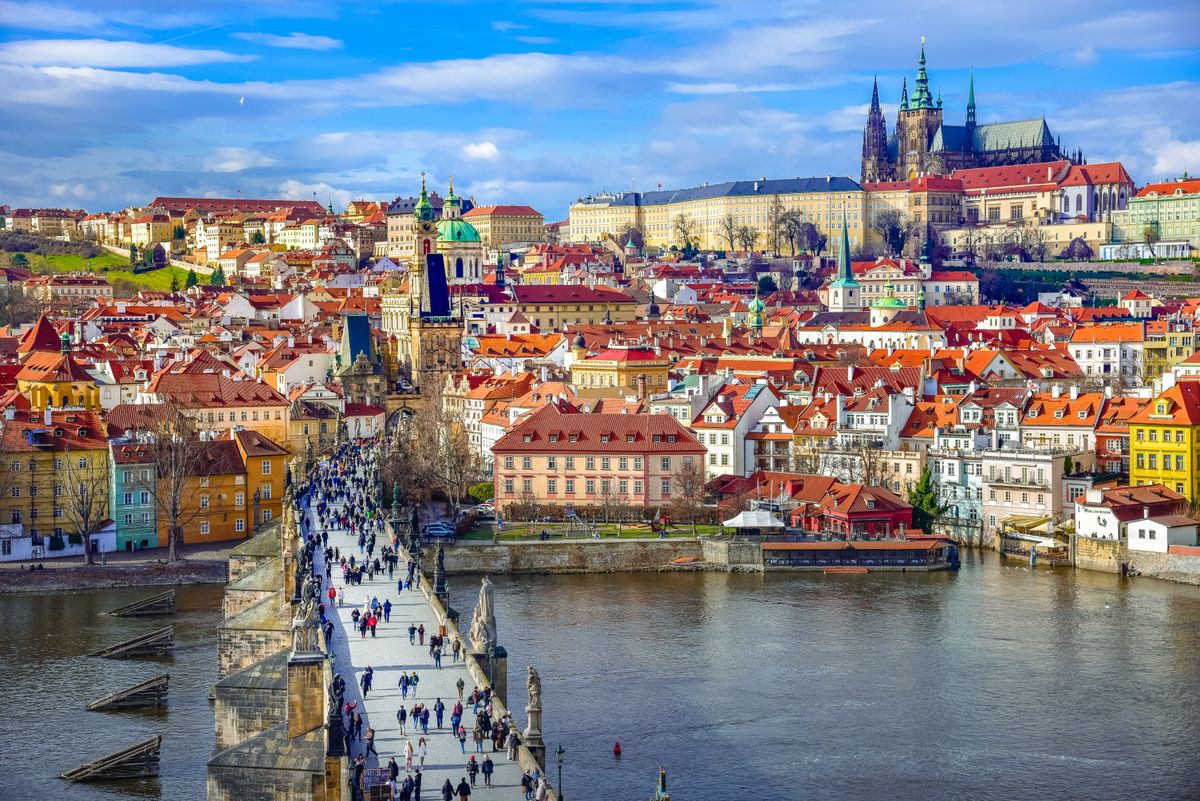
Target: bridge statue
305 625
533 710
483 622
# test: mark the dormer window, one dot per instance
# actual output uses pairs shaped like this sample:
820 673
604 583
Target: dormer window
671 438
528 437
1083 414
1162 409
604 437
629 437
554 437
574 438
1058 414
870 503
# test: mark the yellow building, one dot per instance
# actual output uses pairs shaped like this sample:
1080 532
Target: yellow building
1166 345
626 366
56 380
502 225
1164 441
57 472
707 208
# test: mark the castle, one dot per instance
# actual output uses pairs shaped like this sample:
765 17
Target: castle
922 144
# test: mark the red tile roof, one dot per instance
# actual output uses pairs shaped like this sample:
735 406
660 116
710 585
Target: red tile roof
1190 187
550 429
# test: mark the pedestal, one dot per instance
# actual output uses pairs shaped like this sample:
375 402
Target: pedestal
305 693
531 737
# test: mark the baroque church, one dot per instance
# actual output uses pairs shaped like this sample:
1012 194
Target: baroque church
922 144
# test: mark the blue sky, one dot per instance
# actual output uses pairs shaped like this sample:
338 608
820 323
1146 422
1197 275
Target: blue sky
111 102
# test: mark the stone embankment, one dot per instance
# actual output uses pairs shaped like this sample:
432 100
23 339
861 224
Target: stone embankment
59 577
602 556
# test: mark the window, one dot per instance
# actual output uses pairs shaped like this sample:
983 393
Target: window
508 485
724 459
623 487
508 463
82 462
203 526
15 467
605 463
637 487
551 463
266 491
526 485
266 468
144 497
129 520
666 487
569 486
203 501
552 486
204 481
526 462
239 524
666 463
58 464
623 463
637 463
569 463
590 486
589 463
6 547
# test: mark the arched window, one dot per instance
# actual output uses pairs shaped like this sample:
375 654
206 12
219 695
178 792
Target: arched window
1078 204
458 268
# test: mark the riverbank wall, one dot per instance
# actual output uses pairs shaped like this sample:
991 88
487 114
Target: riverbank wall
64 578
1180 563
601 556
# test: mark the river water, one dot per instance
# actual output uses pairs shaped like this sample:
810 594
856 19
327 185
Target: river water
993 683
48 683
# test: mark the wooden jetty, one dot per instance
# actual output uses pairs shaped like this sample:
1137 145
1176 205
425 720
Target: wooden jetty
158 641
134 762
151 692
161 604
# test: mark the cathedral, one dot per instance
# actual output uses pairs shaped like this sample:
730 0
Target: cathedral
921 144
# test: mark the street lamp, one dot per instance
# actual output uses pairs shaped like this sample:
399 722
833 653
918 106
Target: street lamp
558 755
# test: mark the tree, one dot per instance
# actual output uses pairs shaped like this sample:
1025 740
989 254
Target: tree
84 499
747 237
178 233
687 491
1078 250
1069 466
174 283
1150 234
775 228
16 308
894 227
133 255
727 230
444 453
482 492
790 224
1034 241
192 279
174 448
631 233
19 260
926 502
806 456
811 239
257 238
684 230
217 278
767 285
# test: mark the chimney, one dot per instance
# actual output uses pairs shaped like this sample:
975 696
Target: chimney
1055 391
1145 512
1074 392
47 417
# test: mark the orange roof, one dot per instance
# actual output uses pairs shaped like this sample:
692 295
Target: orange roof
508 211
1046 410
1182 407
1189 187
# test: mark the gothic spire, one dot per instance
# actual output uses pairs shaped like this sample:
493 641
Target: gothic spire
921 96
875 96
971 101
904 95
843 260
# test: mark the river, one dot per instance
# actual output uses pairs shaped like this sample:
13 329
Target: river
993 683
48 683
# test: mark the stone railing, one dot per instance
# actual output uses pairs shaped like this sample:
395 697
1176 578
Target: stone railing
446 617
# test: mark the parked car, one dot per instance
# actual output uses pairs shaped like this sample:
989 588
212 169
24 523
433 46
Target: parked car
485 510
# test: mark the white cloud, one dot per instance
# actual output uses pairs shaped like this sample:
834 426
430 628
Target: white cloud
320 191
503 26
42 17
236 159
535 40
294 40
485 151
106 53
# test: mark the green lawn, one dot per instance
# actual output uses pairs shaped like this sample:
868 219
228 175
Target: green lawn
66 263
154 280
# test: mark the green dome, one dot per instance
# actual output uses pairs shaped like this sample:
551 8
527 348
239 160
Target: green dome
889 300
457 231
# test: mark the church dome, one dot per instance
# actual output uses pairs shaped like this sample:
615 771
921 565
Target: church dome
889 299
457 231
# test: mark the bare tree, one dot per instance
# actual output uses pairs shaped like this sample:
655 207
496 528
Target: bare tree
790 228
806 455
174 449
775 227
1151 235
1034 241
687 491
444 450
526 507
684 228
894 228
84 499
727 230
747 236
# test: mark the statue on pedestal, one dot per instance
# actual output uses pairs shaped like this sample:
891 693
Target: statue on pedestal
305 623
483 622
533 710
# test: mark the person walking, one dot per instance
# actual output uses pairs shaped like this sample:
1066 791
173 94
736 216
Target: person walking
486 769
438 709
457 648
412 633
425 719
421 633
401 717
387 611
422 752
417 785
370 741
408 756
472 769
463 789
393 768
527 785
447 791
477 736
513 742
404 686
437 657
413 680
460 685
462 739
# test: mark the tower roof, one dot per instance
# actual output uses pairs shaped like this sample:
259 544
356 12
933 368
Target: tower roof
922 98
845 275
424 209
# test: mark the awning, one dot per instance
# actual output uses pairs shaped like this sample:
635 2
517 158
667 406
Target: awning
757 518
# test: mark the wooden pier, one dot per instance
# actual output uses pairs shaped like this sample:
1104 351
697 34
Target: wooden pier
154 642
151 692
134 762
161 604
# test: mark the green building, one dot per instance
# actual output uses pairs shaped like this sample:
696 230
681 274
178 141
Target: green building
131 484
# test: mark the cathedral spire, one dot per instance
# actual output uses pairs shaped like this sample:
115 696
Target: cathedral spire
921 96
971 101
843 259
875 96
904 95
